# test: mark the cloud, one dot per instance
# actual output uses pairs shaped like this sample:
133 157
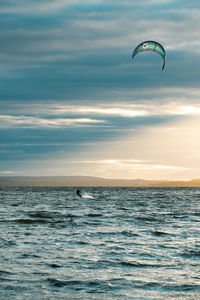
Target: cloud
7 172
114 168
127 164
47 57
68 83
36 7
60 114
23 121
133 110
32 7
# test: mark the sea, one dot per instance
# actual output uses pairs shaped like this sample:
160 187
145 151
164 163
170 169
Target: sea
112 243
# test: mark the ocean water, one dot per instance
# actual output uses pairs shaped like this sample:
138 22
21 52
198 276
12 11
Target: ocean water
114 243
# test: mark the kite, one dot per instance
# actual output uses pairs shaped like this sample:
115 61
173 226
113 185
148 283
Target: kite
151 46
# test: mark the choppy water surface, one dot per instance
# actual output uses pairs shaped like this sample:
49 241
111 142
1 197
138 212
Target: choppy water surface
119 243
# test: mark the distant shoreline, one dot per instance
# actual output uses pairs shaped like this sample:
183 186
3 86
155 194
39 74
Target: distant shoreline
87 181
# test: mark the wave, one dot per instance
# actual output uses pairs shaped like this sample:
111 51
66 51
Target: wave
40 214
6 243
115 284
128 233
47 214
87 196
137 264
148 219
2 272
28 221
94 215
191 254
124 208
54 266
79 285
160 233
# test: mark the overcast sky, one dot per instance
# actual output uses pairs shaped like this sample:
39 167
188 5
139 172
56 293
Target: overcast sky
73 102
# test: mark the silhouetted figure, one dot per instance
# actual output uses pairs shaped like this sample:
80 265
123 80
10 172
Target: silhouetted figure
78 192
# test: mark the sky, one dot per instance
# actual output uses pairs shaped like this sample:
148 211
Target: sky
74 102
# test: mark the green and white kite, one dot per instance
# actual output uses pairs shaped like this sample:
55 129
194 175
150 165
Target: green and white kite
151 46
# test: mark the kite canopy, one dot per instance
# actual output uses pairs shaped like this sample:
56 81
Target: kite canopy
151 46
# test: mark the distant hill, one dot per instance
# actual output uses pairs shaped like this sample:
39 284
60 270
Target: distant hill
87 181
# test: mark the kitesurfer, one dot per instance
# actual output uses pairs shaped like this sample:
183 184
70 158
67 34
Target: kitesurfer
78 192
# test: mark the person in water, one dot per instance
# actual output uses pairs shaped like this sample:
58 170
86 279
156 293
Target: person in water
78 192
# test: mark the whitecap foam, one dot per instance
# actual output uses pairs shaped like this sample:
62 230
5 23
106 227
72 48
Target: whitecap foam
87 196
